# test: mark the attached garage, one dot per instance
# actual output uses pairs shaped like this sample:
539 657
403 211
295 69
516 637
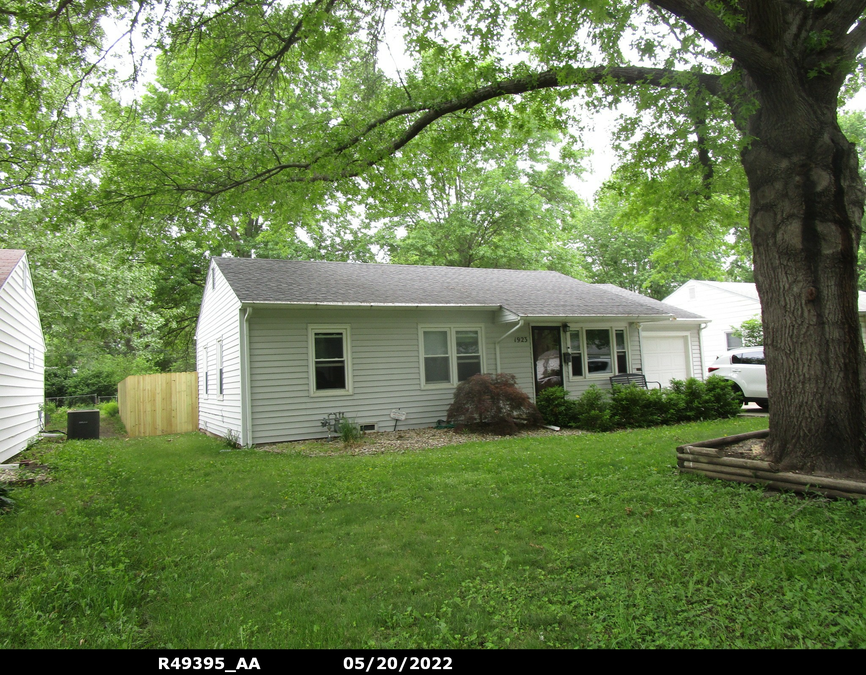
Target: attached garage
667 356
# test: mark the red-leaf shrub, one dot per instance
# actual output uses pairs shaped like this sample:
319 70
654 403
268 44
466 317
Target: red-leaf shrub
494 402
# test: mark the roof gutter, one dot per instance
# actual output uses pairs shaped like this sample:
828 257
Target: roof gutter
268 304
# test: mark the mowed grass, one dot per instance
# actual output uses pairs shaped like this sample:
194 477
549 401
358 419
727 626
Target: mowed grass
590 541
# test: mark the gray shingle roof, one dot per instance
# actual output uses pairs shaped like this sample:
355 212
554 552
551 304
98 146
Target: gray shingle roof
670 309
526 293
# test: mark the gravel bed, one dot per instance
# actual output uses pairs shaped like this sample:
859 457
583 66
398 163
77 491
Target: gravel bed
404 440
24 476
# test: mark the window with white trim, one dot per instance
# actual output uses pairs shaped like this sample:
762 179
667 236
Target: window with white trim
330 360
450 354
598 352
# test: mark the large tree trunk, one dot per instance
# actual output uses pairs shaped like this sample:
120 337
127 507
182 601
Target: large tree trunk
806 210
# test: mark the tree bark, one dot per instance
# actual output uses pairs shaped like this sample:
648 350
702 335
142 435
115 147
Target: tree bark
806 210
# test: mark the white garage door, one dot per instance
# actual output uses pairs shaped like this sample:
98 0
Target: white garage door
666 357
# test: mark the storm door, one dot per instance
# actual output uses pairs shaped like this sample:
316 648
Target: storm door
547 357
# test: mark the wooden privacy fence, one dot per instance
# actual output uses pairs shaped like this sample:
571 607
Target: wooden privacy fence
152 405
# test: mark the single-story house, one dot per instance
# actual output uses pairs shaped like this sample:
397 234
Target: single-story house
727 304
282 344
22 355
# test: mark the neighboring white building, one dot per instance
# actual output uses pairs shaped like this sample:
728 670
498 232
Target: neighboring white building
281 344
22 356
727 304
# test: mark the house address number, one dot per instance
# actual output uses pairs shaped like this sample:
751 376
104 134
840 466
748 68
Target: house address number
521 339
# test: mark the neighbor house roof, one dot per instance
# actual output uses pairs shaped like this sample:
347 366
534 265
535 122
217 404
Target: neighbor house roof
524 293
9 258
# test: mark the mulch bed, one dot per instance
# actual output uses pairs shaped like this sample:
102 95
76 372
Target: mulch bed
403 440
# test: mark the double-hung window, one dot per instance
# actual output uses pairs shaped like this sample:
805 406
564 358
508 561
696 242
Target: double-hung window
330 360
450 355
598 352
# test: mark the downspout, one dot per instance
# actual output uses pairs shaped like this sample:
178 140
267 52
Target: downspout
246 399
640 346
498 364
701 350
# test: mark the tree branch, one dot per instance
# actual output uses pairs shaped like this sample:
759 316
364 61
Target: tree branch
554 78
838 17
855 41
744 48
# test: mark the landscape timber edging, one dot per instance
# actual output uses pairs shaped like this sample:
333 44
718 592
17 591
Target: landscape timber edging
707 458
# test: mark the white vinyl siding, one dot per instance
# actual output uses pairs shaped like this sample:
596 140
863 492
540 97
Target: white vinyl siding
386 368
218 340
22 362
219 368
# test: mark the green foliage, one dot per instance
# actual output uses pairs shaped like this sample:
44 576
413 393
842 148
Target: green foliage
349 431
110 408
6 502
751 332
504 205
494 402
555 407
634 407
592 411
232 439
99 376
424 550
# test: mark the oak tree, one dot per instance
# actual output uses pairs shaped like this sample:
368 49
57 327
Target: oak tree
300 87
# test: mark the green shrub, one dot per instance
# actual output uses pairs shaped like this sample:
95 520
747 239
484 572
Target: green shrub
592 411
110 408
634 407
721 397
350 431
695 400
493 401
556 408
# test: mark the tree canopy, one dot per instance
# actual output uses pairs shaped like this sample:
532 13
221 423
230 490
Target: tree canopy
267 124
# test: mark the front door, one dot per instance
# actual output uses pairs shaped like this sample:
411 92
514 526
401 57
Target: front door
547 357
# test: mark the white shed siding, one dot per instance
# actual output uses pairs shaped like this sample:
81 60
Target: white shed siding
725 308
219 319
22 387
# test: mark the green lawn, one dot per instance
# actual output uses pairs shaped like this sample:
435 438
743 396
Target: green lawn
591 541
